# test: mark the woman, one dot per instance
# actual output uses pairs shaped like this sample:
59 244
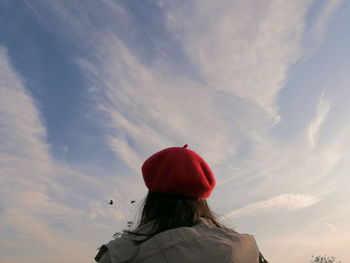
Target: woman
176 223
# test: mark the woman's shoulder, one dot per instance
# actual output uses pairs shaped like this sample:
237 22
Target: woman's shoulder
119 249
123 247
223 234
208 241
202 234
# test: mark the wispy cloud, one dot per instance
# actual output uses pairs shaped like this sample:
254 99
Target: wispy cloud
323 108
151 109
22 133
243 63
316 33
26 170
326 13
243 47
294 165
288 202
41 201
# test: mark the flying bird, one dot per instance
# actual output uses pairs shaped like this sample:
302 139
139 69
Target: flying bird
132 202
111 202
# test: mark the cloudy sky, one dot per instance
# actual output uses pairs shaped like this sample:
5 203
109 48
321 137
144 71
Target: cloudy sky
90 89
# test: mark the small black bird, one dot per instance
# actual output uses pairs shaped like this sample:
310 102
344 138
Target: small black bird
132 202
111 202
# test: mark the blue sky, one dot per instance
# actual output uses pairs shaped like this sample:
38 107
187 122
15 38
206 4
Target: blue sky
90 89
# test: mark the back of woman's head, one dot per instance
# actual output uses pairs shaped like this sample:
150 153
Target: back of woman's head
168 211
178 180
172 210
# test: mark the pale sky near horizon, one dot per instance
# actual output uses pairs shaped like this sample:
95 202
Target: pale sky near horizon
90 89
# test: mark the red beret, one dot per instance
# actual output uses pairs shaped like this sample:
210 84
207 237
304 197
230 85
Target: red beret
178 170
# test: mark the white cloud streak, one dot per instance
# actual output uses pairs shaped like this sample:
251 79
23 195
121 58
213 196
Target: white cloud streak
289 202
329 8
150 109
243 47
241 59
41 202
323 108
21 130
316 34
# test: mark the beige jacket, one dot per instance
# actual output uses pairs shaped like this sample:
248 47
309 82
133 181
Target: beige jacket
204 243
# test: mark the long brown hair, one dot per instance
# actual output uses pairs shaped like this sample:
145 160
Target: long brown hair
168 211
